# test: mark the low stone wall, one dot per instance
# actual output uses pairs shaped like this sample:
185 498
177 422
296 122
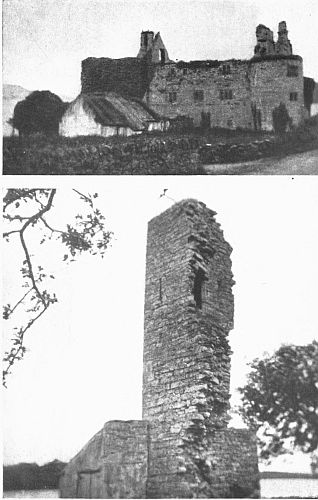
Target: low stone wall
303 138
228 153
113 464
95 156
120 462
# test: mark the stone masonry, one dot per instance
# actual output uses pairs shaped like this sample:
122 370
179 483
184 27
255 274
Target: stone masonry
228 94
183 447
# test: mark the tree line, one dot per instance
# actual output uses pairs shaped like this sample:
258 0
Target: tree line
32 476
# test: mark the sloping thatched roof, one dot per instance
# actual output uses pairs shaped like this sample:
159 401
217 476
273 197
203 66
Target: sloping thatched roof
315 96
110 109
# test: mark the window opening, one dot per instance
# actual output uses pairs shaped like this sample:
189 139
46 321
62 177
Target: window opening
197 287
198 95
162 56
226 94
172 96
292 70
226 69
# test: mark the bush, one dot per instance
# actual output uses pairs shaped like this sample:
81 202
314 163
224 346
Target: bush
40 112
281 119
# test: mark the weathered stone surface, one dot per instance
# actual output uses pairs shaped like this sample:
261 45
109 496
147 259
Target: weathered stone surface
228 94
112 465
182 448
188 315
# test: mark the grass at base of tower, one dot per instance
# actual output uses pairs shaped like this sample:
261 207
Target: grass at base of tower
168 153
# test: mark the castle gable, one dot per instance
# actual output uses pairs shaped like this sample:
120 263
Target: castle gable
152 48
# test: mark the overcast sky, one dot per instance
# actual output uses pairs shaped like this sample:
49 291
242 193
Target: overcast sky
84 361
46 40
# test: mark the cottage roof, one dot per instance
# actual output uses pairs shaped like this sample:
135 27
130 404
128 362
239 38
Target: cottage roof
315 95
111 109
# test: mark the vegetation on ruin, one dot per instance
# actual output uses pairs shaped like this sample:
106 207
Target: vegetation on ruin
281 119
280 400
28 216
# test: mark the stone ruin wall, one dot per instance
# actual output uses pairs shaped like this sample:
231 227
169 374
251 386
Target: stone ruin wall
113 464
207 76
188 315
271 85
182 447
258 85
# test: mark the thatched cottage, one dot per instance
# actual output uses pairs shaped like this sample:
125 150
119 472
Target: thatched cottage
107 114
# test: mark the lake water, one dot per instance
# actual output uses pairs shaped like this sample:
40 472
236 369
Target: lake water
302 488
270 488
31 494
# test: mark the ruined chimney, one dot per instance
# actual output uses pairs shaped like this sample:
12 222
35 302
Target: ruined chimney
265 42
283 45
146 41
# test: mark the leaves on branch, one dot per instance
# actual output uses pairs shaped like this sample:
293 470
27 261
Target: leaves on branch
280 399
87 234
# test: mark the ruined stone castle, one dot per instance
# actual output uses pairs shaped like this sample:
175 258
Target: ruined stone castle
231 93
183 447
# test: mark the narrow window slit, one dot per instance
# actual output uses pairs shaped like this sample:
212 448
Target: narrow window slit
197 287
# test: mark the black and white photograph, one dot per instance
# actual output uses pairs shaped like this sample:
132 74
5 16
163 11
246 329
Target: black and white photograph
124 345
160 87
159 254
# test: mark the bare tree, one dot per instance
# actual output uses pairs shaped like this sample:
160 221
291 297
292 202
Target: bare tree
25 211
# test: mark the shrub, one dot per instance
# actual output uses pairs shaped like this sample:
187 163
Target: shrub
281 119
40 112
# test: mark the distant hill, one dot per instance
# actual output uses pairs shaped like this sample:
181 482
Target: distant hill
26 476
287 475
11 95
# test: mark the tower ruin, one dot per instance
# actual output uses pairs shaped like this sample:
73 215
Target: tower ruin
183 447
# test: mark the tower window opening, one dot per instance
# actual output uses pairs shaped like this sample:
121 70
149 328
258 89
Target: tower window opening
162 56
226 94
292 70
293 96
172 96
197 287
198 96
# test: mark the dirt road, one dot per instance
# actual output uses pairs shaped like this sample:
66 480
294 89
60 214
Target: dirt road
298 164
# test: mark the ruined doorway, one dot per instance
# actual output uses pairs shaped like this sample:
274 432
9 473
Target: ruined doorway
87 483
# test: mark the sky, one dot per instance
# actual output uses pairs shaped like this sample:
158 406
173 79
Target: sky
83 366
44 41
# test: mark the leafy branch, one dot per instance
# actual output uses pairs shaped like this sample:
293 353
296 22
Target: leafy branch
88 234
